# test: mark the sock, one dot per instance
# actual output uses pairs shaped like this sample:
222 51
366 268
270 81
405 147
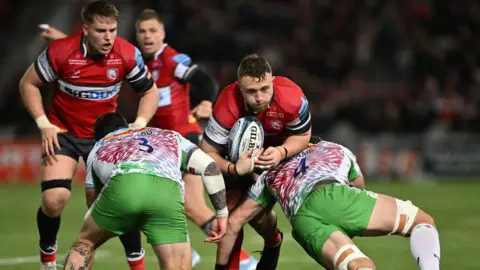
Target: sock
244 255
272 239
132 243
234 260
425 246
48 229
220 267
207 226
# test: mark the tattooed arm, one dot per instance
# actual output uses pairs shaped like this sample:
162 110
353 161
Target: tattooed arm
202 164
79 256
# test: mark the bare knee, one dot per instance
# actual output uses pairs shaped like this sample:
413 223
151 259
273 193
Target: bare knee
424 218
265 221
234 225
361 264
54 200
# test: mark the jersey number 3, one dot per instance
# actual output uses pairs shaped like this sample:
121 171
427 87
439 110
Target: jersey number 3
302 167
144 146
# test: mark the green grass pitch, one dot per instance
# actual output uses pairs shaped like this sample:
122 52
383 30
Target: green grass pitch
454 205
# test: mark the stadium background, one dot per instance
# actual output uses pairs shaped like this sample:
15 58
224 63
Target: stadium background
396 81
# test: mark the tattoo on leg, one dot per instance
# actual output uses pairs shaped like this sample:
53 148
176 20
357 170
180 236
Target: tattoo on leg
85 250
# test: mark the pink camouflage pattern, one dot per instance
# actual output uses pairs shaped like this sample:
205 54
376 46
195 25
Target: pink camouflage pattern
155 151
291 182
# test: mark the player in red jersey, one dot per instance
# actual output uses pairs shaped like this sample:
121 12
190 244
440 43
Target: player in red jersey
87 71
282 108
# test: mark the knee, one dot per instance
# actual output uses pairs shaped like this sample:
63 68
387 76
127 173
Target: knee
54 200
265 220
349 257
361 264
425 218
234 225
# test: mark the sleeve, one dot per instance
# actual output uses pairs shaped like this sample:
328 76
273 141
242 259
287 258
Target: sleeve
298 121
187 148
221 121
354 171
89 179
45 66
193 74
138 76
259 192
183 66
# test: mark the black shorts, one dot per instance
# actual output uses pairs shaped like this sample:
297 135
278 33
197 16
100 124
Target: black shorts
74 147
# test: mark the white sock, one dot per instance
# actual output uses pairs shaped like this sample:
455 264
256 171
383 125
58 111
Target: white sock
425 246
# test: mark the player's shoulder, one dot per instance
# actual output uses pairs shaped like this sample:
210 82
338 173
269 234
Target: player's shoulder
126 49
176 57
228 96
286 86
63 47
230 90
288 94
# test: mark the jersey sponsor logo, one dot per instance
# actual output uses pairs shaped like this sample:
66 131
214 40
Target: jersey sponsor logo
112 73
113 61
274 113
93 93
77 62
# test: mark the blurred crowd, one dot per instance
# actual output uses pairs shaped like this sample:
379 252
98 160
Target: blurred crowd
381 66
378 66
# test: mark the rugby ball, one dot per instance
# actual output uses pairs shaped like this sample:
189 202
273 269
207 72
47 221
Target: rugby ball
246 133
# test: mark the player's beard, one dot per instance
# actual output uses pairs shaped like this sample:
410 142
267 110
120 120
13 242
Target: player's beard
259 108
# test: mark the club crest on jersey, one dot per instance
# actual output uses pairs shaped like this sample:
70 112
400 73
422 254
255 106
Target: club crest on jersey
112 73
276 124
155 75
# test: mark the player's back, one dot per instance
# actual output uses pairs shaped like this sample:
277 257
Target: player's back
86 87
294 179
151 151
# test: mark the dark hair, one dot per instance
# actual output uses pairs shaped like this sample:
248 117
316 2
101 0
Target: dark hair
98 8
107 123
315 139
148 14
254 66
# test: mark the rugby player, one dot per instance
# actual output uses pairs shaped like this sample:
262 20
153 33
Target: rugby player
139 171
321 192
87 71
283 110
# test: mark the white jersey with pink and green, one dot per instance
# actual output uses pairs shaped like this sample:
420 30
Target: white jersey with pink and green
292 180
151 151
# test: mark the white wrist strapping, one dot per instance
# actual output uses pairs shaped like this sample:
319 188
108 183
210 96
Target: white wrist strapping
43 122
222 213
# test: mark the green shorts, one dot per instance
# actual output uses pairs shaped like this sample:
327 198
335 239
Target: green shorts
332 207
150 203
